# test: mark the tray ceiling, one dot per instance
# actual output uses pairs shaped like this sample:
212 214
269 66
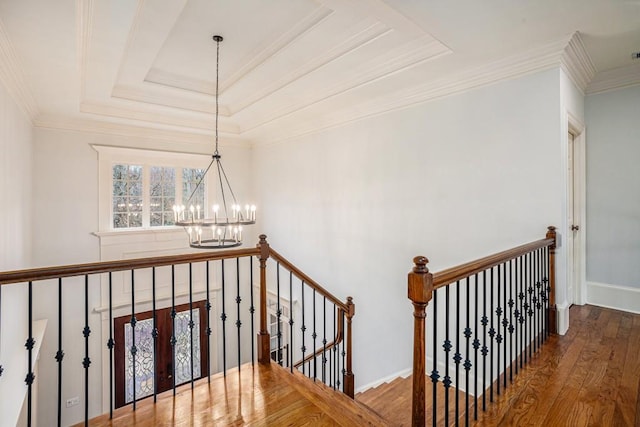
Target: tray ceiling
287 66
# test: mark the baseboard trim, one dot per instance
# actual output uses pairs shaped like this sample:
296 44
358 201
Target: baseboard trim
614 296
562 313
404 374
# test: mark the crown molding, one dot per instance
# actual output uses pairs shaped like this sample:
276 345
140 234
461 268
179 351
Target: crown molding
12 76
541 58
204 123
615 79
576 62
79 124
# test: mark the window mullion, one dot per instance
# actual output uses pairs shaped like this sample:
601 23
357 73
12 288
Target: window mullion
146 196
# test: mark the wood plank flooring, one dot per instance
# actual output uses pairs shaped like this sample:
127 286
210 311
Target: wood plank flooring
260 395
588 377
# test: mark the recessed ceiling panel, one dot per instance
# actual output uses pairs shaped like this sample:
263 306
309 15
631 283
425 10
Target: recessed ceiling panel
187 58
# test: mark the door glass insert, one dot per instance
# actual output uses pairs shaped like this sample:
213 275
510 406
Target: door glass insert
183 346
144 374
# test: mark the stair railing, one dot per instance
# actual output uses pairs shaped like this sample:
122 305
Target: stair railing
311 318
504 310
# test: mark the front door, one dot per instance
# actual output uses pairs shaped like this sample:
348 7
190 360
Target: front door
158 373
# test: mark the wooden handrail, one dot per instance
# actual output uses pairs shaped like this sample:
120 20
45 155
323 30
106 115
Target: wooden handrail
462 271
308 280
44 273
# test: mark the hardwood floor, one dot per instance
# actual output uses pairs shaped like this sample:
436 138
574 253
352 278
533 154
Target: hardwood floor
589 377
258 396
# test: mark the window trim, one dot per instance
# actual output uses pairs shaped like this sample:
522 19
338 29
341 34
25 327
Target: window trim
111 155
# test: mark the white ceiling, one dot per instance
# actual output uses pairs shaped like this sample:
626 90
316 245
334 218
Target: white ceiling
289 67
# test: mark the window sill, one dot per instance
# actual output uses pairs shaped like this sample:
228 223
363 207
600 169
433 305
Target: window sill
138 231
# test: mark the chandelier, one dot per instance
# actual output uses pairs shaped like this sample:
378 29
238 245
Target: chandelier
223 227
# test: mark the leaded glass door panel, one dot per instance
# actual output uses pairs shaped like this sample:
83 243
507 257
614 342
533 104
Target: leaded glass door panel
157 373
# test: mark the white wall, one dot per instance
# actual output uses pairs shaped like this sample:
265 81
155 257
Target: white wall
453 179
66 188
15 250
613 194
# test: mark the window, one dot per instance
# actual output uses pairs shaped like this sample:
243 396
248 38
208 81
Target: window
137 187
163 195
127 196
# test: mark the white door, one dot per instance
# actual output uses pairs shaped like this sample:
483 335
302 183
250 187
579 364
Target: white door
572 221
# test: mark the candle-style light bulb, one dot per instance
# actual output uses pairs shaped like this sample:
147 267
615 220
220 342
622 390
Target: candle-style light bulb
253 212
216 208
198 209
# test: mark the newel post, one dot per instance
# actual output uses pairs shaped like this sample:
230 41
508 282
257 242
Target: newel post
264 342
420 291
553 325
349 380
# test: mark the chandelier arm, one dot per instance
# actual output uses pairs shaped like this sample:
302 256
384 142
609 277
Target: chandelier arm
200 182
224 198
233 196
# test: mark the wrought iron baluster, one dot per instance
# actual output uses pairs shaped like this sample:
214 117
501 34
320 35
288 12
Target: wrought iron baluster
516 311
476 346
447 348
278 315
540 295
331 350
29 345
498 336
86 361
110 345
324 339
467 361
336 367
303 328
530 339
484 351
434 373
457 357
314 335
523 330
154 333
208 307
173 328
492 333
547 289
238 321
223 317
252 310
291 361
134 348
191 320
511 328
343 370
505 324
60 353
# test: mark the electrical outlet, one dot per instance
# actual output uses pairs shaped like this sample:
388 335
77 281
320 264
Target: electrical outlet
73 401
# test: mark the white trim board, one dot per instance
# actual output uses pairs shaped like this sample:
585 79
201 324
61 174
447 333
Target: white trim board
613 296
403 373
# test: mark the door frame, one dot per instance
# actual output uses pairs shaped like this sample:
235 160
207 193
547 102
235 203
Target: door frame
577 128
